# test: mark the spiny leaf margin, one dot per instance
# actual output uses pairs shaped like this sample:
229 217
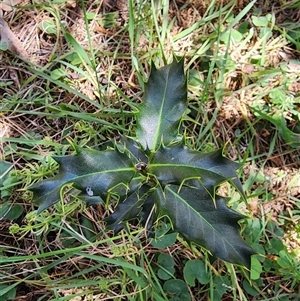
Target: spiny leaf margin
211 225
189 180
165 101
98 171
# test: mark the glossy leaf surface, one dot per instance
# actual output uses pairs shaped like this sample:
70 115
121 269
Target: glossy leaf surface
92 172
155 175
165 101
177 163
195 216
136 206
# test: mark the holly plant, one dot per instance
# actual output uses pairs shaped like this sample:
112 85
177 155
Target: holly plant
154 175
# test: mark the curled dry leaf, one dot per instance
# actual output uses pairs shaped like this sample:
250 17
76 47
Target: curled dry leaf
13 43
71 4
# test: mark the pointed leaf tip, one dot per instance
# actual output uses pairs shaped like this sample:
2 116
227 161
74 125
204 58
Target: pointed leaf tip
165 101
177 163
212 226
97 171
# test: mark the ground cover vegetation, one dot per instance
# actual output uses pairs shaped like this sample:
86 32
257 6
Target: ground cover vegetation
81 88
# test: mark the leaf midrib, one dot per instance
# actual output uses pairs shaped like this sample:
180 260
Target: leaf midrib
106 171
158 165
199 214
157 135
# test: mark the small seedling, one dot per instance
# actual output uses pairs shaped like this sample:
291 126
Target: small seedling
154 175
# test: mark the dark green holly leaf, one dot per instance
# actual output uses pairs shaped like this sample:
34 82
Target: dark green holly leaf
90 171
47 192
211 225
125 211
137 205
165 102
177 163
156 175
132 149
90 199
149 214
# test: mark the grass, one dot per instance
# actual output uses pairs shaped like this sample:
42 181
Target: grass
86 72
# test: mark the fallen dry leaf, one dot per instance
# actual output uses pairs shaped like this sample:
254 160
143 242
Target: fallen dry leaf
13 43
71 4
8 5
